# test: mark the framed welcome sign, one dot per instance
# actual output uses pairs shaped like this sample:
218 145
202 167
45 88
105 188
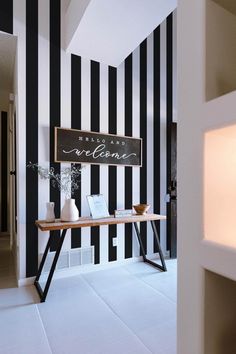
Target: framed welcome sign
77 146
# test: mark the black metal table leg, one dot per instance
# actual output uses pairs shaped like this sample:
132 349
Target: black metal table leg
44 258
145 259
43 293
159 246
140 241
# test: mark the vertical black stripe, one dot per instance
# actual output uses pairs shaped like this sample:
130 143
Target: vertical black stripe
143 133
55 94
156 127
95 126
169 114
6 16
76 124
4 186
128 170
31 135
112 114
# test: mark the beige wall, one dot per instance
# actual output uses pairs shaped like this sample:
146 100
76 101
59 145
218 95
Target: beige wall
220 185
4 100
220 315
220 50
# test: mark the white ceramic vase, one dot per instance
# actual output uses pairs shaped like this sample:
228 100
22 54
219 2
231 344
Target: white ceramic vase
50 215
69 211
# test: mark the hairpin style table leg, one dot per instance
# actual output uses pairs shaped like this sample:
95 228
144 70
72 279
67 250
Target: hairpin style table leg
159 250
43 293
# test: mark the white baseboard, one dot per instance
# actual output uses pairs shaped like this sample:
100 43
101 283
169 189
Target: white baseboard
25 281
73 271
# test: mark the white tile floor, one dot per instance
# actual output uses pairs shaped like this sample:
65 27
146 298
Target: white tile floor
129 309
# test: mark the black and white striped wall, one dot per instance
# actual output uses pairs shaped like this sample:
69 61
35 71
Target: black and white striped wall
58 89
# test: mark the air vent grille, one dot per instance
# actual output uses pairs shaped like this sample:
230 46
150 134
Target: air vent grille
72 258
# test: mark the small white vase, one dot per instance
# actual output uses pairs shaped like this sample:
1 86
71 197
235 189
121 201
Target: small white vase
50 215
69 211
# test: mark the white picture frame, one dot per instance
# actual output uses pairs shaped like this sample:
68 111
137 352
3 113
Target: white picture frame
98 206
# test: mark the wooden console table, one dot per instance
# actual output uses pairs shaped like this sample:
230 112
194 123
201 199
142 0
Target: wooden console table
89 222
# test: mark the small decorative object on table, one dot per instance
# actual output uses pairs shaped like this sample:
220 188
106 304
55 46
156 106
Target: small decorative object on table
120 213
50 215
68 182
69 211
141 209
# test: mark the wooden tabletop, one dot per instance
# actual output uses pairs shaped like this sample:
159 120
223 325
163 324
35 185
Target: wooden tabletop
89 222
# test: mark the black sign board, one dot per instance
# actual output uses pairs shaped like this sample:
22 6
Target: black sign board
77 146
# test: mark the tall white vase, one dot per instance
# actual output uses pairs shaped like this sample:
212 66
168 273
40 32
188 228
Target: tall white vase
69 211
50 215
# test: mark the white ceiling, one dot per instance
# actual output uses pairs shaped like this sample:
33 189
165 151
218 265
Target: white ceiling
7 61
109 30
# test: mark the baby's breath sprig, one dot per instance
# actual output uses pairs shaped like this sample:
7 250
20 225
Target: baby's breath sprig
67 181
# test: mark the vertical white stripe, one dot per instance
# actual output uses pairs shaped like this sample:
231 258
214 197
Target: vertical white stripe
19 26
163 133
104 168
65 107
175 66
85 125
43 109
120 169
150 138
136 134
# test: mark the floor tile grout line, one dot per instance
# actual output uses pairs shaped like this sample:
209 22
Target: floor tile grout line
132 275
44 329
150 286
157 291
116 314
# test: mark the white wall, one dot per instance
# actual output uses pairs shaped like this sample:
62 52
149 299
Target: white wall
191 95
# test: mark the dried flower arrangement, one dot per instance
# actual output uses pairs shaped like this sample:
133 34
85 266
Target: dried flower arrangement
67 181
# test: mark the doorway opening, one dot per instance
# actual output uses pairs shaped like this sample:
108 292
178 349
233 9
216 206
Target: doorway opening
8 215
171 209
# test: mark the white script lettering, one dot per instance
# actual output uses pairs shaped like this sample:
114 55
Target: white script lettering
99 152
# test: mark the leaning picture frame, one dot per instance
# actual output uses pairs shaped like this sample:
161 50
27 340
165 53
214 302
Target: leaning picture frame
98 206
